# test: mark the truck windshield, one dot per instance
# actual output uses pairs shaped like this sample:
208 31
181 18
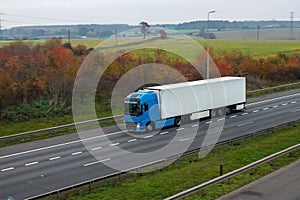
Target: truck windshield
133 109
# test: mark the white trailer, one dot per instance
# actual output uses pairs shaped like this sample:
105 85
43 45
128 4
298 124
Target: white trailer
201 98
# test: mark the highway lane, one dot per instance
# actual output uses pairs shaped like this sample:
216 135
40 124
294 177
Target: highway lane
282 184
41 170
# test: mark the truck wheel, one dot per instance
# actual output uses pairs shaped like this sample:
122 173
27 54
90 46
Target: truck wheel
221 112
228 110
213 113
150 127
177 121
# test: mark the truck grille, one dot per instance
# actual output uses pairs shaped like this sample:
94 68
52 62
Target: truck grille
131 125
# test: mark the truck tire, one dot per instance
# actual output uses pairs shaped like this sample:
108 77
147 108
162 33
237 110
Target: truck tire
221 112
150 127
177 121
213 113
228 110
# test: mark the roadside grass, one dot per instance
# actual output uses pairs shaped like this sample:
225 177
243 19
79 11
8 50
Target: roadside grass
191 171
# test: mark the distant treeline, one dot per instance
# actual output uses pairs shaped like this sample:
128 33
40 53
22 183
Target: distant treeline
103 31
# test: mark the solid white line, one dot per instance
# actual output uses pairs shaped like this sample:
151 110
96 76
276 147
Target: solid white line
76 153
185 139
115 144
266 108
255 111
245 114
32 163
55 158
195 125
162 133
208 122
133 140
274 99
96 148
244 124
295 110
93 163
7 169
276 106
180 129
59 145
233 116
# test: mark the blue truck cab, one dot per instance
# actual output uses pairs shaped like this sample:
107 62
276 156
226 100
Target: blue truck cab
142 112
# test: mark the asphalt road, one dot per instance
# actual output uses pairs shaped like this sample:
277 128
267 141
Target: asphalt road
38 170
282 184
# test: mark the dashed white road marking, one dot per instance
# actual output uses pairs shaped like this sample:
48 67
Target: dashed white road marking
284 104
185 139
32 163
221 119
163 133
276 106
195 125
255 111
180 129
96 162
245 114
266 108
293 102
55 158
233 116
148 136
114 144
7 169
208 122
96 148
244 124
76 153
132 140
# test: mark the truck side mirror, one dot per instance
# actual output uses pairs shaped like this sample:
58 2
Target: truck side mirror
146 106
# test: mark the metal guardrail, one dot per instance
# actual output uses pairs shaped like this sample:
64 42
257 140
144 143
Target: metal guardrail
163 161
275 87
229 175
56 128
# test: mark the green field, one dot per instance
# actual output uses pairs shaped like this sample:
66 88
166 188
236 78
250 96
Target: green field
262 48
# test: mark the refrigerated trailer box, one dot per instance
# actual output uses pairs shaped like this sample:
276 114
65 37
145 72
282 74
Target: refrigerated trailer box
166 105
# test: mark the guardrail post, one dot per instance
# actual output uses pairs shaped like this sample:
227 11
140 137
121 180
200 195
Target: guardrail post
202 193
90 186
221 169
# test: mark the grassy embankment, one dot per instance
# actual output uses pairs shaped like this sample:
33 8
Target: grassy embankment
252 48
190 171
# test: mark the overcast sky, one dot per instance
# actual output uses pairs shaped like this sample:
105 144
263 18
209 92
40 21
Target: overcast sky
35 12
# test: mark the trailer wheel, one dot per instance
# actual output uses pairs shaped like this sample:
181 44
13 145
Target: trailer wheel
228 110
213 113
177 121
150 127
221 112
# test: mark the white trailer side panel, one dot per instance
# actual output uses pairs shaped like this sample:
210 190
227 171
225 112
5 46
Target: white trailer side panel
190 97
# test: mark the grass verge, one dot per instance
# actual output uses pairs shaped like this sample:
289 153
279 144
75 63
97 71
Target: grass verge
190 171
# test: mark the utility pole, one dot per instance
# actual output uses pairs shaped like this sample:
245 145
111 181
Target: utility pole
1 34
69 37
207 50
292 26
257 33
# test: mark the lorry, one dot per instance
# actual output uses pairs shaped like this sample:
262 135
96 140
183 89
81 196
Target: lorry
169 105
